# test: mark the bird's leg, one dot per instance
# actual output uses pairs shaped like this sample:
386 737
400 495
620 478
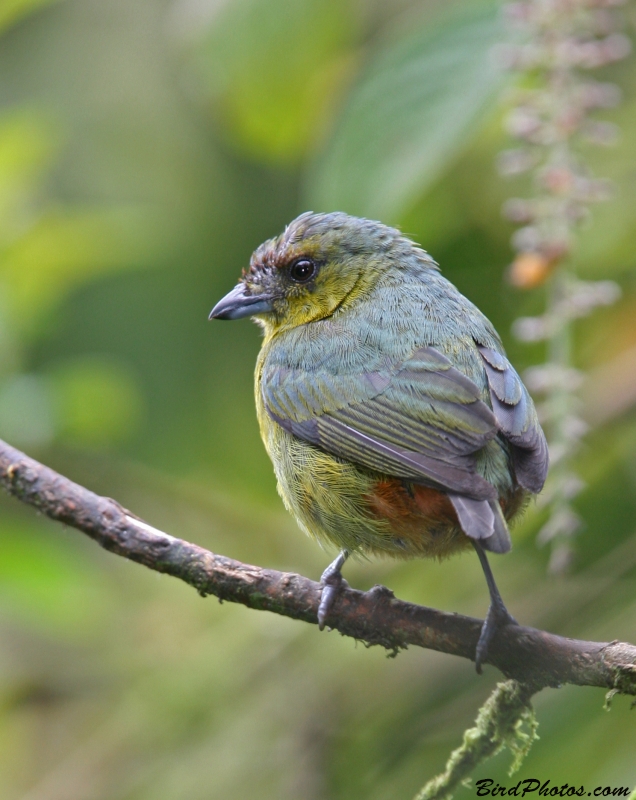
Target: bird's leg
331 582
498 615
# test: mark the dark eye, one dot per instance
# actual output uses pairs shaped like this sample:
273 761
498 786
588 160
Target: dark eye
302 270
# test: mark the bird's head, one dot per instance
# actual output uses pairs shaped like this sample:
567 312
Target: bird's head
320 263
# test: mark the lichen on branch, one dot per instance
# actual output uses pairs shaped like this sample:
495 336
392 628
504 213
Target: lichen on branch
499 724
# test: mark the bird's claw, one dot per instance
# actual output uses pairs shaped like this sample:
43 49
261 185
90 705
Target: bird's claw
332 584
498 617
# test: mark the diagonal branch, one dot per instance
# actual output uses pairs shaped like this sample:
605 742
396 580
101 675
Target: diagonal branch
376 617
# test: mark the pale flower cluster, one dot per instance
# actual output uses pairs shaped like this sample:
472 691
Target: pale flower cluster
555 44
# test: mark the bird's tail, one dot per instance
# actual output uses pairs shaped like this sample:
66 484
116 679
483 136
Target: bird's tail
483 521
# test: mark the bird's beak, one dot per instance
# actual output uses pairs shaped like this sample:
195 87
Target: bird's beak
236 304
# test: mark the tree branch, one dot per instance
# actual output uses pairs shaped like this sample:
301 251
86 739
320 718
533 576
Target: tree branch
531 656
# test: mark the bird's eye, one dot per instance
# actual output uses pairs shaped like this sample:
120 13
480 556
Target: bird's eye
302 270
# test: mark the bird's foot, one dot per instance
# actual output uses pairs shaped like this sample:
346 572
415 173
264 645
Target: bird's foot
498 617
332 584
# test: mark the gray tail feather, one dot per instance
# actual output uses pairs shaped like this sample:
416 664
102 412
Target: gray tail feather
500 541
482 520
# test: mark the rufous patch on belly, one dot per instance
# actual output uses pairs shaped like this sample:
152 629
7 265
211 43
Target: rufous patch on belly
422 519
407 504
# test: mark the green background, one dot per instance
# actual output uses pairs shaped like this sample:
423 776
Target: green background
146 148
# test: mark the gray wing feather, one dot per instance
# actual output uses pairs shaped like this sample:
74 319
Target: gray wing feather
423 422
336 437
517 419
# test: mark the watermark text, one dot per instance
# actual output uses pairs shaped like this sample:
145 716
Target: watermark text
486 787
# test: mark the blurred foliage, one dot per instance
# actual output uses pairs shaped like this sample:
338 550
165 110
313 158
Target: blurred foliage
413 107
12 10
96 401
146 148
273 71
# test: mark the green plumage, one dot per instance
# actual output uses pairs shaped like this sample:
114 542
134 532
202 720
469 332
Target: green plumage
383 393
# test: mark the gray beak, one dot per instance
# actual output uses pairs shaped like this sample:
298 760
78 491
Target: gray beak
236 304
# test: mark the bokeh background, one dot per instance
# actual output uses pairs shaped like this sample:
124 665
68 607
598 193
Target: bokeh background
146 148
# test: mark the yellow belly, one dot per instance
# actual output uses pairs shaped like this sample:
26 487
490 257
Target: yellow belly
355 509
339 503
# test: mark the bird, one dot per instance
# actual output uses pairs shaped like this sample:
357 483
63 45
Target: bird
395 423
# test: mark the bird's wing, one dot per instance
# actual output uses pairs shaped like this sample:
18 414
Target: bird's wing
517 420
423 421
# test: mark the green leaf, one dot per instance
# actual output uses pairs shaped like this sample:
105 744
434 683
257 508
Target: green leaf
420 101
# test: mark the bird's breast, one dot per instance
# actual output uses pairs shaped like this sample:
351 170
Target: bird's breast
338 502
